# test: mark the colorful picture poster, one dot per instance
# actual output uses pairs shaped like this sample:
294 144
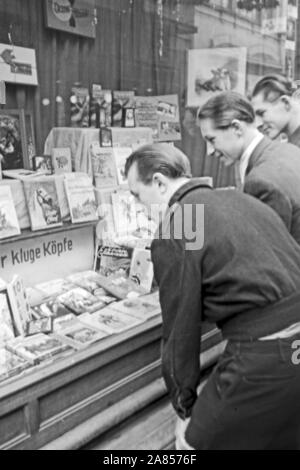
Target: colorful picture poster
212 71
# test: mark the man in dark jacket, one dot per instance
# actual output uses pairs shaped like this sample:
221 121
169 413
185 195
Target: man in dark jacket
268 170
223 256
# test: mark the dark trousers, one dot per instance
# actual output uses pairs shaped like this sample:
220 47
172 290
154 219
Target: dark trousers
251 400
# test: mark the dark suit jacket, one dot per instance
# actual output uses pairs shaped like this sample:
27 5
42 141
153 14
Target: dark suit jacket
247 261
273 176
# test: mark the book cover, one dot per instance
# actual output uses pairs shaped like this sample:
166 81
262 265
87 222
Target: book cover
61 160
112 259
100 113
119 286
79 300
104 166
146 113
51 308
40 325
60 323
9 224
161 114
139 307
111 320
141 268
11 364
80 107
81 335
19 174
42 164
121 100
7 331
38 347
55 287
105 210
42 202
81 198
124 211
19 304
169 120
121 154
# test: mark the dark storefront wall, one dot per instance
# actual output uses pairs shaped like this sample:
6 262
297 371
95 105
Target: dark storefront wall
124 56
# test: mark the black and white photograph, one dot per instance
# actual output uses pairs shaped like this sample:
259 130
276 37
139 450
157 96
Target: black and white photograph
149 228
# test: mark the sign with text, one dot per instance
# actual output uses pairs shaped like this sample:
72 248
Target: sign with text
76 18
48 257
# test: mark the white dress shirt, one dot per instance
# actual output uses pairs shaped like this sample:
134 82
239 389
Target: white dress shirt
244 160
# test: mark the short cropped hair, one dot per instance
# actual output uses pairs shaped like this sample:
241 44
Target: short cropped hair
226 106
273 86
159 157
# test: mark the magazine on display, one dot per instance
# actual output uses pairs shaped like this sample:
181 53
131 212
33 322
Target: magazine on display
139 307
81 335
100 115
80 107
121 100
121 154
124 212
112 259
110 320
119 286
40 325
81 197
105 210
104 166
9 224
55 287
38 347
11 364
42 202
7 331
19 304
79 300
51 308
61 160
141 268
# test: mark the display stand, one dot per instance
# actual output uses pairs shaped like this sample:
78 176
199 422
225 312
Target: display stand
83 399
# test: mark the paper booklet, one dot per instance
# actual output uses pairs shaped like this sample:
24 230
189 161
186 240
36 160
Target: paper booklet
110 320
139 307
81 197
19 304
42 202
141 268
61 160
79 300
7 331
104 166
38 347
81 335
11 364
80 107
9 224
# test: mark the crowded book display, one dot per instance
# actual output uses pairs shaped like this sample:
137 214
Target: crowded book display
53 319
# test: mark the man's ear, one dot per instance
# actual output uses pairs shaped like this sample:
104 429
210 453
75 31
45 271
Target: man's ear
286 101
237 126
161 181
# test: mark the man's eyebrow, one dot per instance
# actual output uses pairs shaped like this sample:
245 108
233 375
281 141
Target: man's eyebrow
134 194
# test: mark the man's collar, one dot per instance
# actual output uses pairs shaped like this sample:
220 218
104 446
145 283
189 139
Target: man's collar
190 185
244 161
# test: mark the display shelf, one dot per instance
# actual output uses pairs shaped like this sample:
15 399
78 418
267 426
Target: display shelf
28 234
43 406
